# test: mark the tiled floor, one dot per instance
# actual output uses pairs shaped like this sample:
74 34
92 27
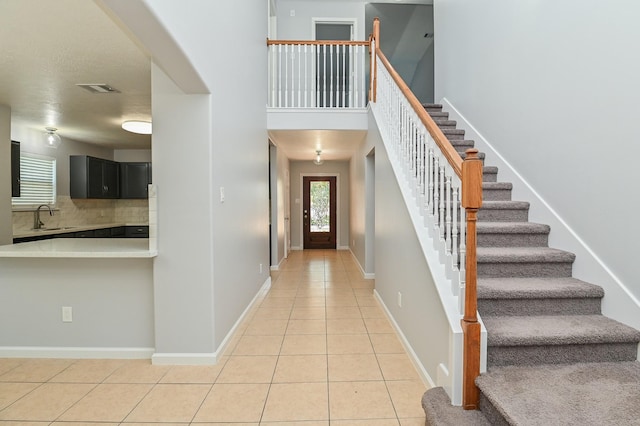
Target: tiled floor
316 350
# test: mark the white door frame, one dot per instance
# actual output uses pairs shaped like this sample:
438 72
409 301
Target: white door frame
341 21
338 21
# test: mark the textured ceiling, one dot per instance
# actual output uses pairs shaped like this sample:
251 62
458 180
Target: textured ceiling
50 46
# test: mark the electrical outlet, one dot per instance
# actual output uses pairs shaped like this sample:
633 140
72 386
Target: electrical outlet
399 300
67 314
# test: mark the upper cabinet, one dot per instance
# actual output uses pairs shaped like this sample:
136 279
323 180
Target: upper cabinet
92 177
134 180
15 169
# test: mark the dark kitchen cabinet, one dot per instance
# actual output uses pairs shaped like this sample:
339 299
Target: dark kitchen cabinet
134 180
137 232
92 177
15 169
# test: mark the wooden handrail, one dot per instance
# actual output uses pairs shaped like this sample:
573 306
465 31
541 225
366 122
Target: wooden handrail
443 143
318 42
470 173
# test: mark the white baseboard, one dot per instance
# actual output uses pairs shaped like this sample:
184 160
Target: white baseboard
184 359
619 303
365 275
75 353
343 248
263 289
296 248
277 267
426 378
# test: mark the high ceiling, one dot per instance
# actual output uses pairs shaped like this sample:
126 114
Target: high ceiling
49 46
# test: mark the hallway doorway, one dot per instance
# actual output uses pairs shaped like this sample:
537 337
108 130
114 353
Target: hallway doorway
319 212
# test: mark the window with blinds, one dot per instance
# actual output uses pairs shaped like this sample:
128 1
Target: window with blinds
37 181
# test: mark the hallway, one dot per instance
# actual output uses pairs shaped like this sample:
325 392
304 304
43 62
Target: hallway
315 350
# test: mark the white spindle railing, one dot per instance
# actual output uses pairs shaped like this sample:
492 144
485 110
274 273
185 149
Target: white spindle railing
436 185
317 74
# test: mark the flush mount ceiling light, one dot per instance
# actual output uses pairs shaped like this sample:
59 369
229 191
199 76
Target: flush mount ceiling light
318 161
51 138
140 127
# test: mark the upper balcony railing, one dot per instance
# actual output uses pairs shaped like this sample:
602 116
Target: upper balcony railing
318 74
448 190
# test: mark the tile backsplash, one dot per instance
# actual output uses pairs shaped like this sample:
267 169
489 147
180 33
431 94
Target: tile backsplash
77 212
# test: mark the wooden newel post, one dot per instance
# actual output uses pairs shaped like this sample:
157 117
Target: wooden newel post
374 76
471 201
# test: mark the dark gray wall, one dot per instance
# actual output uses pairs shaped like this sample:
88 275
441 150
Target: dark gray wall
402 40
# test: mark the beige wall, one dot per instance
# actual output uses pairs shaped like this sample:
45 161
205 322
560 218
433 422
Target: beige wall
307 168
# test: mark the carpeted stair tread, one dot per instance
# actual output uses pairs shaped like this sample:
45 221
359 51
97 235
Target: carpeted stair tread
432 105
438 115
512 234
439 411
586 394
489 174
512 228
523 255
444 122
503 211
497 185
536 288
453 133
557 330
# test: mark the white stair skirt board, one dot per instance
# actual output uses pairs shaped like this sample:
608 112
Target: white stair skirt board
210 358
75 353
619 303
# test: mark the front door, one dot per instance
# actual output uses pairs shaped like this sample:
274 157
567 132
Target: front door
319 212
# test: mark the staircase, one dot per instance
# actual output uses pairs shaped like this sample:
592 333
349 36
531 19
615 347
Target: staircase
552 357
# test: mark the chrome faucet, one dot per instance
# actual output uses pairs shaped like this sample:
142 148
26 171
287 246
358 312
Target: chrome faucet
37 223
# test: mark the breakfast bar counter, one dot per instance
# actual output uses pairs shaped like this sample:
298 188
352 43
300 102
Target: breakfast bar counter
81 248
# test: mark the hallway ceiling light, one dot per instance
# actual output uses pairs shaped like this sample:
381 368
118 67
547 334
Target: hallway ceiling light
140 127
318 161
51 138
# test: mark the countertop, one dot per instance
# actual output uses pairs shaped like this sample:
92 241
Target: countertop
81 248
67 229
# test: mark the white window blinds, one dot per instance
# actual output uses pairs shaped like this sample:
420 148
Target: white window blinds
37 181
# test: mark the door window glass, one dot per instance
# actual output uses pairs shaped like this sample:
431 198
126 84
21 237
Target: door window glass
320 206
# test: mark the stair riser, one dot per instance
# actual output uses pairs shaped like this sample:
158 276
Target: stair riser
503 215
490 412
489 177
523 307
453 135
446 125
496 194
513 240
520 269
461 146
430 109
560 354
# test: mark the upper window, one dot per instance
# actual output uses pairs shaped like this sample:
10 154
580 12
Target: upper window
37 181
